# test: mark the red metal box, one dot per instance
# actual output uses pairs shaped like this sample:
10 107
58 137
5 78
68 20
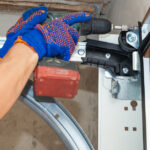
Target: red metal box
56 78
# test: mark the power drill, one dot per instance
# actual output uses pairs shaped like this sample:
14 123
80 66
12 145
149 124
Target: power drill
57 78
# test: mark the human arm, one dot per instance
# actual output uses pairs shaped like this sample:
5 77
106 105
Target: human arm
54 39
15 70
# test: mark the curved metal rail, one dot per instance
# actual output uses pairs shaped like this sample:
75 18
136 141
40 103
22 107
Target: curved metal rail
58 119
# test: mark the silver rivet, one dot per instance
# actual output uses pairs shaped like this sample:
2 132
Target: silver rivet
81 52
125 70
108 55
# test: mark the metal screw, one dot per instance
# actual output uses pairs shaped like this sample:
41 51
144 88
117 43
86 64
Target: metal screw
81 51
132 37
125 70
108 55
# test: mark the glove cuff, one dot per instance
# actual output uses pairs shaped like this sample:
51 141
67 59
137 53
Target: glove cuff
19 40
34 39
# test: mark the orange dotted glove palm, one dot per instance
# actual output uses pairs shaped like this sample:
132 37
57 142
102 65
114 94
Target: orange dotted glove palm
56 38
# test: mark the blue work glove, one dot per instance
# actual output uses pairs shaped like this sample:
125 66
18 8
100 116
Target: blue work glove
56 38
26 22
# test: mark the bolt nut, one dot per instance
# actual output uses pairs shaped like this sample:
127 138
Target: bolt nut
108 55
125 70
132 37
81 51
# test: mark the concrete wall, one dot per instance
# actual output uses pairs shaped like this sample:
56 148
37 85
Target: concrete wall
7 19
127 11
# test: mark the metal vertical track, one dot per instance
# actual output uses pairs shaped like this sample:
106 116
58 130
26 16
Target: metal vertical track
58 119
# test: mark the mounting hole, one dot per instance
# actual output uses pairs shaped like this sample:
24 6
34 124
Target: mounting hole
134 104
57 116
126 108
126 128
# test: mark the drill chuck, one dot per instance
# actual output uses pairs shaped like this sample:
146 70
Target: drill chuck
95 26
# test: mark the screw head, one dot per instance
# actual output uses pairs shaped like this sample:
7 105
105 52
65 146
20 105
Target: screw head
132 37
81 52
108 55
125 70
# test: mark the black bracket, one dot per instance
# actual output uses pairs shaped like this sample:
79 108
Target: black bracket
108 55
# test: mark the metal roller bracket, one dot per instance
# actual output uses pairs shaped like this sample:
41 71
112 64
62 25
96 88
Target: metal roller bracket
123 87
79 52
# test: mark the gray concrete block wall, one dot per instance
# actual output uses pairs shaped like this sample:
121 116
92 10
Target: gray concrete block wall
127 11
7 19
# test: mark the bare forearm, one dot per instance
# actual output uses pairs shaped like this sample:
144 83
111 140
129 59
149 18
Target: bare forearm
15 70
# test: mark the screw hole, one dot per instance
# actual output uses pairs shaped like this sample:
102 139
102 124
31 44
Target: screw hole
126 108
134 129
57 116
134 104
126 128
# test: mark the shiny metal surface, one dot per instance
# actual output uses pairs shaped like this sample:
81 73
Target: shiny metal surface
132 38
146 27
146 63
135 61
79 52
123 87
115 116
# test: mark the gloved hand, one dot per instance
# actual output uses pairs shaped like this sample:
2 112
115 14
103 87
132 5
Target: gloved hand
55 38
26 22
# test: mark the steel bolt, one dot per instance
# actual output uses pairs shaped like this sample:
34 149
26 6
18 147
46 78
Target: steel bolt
81 51
125 70
132 37
108 55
